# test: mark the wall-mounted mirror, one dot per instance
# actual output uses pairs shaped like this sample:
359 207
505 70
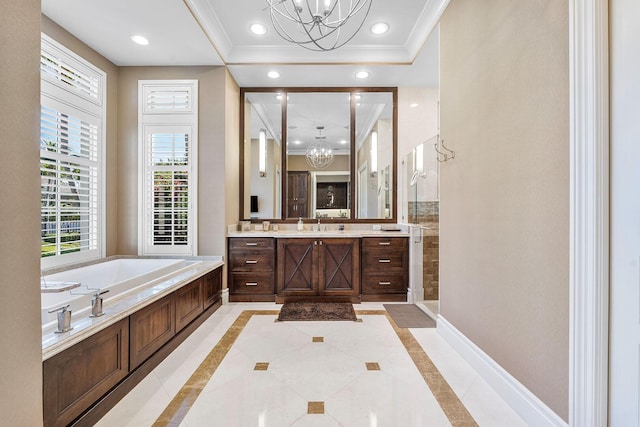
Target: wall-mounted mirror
262 153
337 159
375 154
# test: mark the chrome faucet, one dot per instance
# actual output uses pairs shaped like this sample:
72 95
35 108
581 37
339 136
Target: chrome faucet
96 304
64 319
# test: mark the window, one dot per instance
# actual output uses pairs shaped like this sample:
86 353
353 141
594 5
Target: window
71 137
168 156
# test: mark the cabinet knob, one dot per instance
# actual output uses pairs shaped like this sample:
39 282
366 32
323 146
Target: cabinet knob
384 260
251 261
384 283
251 284
252 243
384 243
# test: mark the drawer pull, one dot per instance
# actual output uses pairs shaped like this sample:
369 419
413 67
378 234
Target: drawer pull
251 284
251 261
384 260
384 243
384 283
252 243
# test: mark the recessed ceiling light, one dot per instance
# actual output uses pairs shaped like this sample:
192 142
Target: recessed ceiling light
344 141
140 40
414 105
379 28
273 74
258 29
297 142
362 74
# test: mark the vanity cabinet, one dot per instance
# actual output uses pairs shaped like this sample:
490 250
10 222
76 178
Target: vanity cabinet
80 375
385 268
251 269
318 268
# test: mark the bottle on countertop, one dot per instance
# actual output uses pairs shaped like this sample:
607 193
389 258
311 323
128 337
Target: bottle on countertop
300 224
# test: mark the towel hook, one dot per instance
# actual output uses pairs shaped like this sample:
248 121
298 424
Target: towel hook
444 156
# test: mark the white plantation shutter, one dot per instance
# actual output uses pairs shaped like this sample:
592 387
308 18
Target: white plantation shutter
69 72
168 99
71 135
168 120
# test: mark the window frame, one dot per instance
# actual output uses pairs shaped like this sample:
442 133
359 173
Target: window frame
168 120
68 100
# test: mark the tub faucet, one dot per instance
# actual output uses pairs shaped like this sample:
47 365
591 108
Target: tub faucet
64 319
96 304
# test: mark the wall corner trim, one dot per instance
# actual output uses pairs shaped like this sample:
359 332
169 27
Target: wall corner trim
589 212
532 410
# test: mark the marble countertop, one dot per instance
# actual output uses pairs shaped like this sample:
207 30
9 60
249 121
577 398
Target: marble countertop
114 311
320 234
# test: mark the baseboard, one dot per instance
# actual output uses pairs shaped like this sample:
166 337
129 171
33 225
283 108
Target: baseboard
530 408
225 296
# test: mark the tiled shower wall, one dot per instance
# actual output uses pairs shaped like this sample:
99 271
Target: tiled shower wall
427 214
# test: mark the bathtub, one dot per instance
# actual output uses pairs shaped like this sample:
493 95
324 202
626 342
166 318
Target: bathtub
122 277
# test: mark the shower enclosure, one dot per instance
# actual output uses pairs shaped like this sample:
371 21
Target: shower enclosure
420 185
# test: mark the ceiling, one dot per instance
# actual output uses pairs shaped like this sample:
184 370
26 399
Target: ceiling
216 32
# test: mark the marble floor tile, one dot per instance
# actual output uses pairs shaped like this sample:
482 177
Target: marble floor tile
295 370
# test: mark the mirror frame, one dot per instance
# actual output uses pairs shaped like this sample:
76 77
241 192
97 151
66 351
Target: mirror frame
352 158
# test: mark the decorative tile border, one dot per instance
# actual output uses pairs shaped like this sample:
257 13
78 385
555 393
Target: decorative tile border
178 408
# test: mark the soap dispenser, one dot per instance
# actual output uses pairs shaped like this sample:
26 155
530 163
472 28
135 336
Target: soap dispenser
300 224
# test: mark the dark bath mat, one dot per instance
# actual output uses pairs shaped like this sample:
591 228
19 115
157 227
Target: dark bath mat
317 311
409 316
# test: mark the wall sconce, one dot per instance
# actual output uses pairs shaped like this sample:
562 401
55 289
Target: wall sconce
374 153
420 158
262 153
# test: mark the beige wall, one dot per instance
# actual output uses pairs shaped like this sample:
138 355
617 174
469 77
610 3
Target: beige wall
504 201
65 38
20 335
212 135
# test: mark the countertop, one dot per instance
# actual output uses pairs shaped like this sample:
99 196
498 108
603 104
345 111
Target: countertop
320 234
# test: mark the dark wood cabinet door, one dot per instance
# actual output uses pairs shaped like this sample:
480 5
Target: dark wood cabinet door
297 194
297 267
189 303
339 267
212 287
150 328
80 375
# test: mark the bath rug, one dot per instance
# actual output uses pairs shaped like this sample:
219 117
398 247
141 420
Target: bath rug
409 316
317 311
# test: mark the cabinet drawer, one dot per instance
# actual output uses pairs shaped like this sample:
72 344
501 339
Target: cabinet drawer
384 260
251 261
384 283
396 243
251 243
251 283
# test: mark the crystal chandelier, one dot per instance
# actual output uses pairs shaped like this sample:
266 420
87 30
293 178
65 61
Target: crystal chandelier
319 154
319 25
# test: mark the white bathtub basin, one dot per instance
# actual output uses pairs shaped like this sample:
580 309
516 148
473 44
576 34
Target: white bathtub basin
121 277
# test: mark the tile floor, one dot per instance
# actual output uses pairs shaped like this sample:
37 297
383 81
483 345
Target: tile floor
241 368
